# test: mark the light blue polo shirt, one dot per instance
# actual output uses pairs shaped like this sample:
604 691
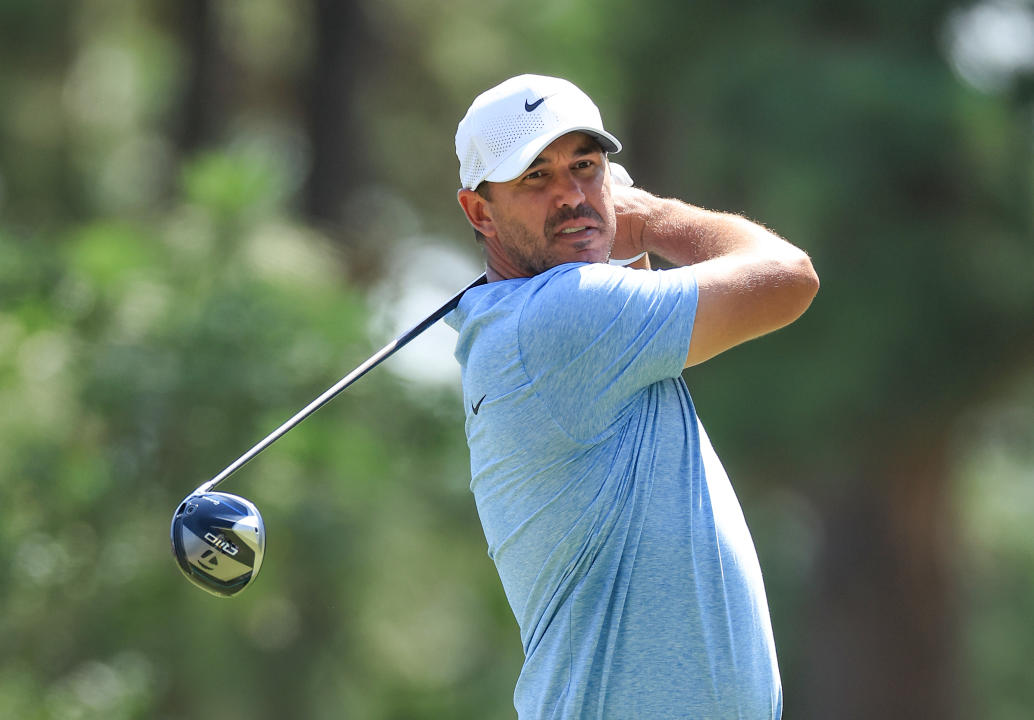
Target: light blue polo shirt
620 544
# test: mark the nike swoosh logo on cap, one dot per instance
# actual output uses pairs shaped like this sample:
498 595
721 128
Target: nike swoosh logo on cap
531 106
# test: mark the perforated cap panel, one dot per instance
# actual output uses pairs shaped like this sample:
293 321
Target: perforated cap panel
503 134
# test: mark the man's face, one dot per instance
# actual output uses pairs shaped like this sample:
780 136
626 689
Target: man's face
557 211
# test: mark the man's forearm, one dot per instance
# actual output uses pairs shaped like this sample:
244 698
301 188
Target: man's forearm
684 234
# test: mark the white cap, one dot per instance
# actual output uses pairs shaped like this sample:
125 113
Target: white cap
507 127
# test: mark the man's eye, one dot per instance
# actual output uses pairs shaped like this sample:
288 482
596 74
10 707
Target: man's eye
533 175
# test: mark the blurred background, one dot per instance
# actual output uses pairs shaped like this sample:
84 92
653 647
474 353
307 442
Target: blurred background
210 211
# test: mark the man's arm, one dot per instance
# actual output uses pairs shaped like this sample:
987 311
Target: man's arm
750 280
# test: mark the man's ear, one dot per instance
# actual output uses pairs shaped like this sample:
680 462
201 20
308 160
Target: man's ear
477 211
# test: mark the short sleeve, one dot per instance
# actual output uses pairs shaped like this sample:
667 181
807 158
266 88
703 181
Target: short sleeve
593 337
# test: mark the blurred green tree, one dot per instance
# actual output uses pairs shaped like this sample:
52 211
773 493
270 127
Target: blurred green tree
195 200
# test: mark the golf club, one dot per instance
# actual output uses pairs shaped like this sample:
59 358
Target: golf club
219 539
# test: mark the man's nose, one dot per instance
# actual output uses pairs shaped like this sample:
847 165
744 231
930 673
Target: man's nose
568 190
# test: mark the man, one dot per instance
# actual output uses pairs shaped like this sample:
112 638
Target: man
620 544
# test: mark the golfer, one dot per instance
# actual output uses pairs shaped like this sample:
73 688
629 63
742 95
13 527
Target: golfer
618 538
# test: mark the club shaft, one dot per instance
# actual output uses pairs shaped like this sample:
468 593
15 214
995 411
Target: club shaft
375 360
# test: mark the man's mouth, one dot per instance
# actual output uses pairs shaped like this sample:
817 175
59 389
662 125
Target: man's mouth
564 223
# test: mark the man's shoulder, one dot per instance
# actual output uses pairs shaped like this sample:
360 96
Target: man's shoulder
576 279
512 295
590 287
561 291
591 272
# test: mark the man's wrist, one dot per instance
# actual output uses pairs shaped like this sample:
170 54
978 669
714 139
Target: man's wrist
634 209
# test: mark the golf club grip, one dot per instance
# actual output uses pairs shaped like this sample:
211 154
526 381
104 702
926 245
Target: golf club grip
375 360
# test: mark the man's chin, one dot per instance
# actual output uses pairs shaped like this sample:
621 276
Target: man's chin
588 255
577 259
591 255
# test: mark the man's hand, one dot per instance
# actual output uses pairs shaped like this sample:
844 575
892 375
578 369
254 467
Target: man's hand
631 205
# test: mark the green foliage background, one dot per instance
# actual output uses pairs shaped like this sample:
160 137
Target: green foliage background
167 300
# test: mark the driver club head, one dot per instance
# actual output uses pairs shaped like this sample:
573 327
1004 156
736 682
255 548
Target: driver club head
218 540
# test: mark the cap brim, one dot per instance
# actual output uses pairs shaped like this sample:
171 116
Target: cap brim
518 161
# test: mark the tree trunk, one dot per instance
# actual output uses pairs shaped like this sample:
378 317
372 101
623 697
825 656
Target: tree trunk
206 96
338 160
883 627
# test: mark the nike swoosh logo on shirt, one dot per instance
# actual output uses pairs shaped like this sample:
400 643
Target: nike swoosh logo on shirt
477 407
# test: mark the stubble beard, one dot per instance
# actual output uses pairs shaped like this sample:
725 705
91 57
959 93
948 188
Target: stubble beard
534 254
